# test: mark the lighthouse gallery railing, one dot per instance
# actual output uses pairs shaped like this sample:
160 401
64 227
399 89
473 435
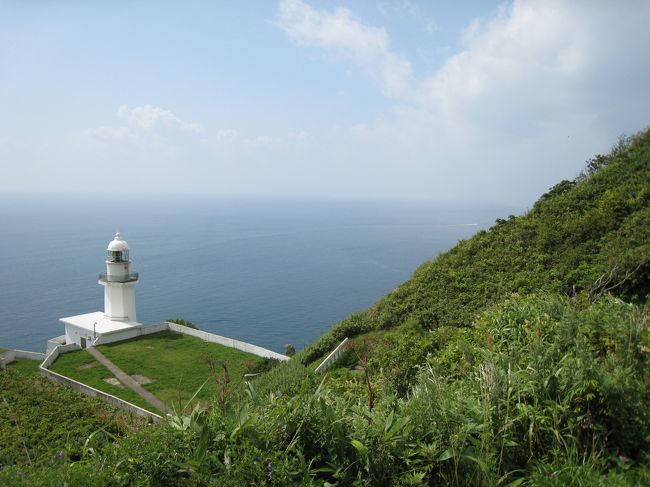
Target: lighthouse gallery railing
132 276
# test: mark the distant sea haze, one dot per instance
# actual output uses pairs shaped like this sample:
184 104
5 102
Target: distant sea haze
266 271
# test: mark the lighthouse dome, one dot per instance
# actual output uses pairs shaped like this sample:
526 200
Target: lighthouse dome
117 243
118 250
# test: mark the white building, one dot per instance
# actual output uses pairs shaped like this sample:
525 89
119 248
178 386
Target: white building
118 320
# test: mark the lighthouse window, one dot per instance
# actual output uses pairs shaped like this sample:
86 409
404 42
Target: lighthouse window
118 256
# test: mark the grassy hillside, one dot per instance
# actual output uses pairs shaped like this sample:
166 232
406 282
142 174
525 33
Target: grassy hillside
44 424
590 235
519 357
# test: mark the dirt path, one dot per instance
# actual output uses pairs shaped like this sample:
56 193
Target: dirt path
127 380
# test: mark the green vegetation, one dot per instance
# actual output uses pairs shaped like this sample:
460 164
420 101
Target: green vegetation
43 424
185 323
519 357
25 366
590 235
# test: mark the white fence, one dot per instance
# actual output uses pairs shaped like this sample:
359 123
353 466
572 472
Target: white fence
332 357
228 342
203 335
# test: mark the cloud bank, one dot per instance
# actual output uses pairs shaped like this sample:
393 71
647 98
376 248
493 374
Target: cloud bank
537 88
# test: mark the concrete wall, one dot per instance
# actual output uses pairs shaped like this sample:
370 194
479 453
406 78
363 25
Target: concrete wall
52 343
228 342
11 355
87 390
6 358
52 356
332 357
108 398
148 330
29 355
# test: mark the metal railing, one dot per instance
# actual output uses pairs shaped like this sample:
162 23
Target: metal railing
332 357
131 277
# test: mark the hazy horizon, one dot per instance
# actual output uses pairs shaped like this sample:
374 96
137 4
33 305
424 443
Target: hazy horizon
484 102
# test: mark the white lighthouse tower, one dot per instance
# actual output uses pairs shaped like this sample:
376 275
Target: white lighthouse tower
118 320
118 282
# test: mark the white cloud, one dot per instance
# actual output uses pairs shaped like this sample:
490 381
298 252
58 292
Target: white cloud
530 41
143 121
544 66
149 118
536 63
227 135
535 90
338 30
109 133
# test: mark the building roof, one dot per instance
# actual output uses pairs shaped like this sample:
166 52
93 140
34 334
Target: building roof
98 323
117 243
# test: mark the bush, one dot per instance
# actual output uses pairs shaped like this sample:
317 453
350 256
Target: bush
182 322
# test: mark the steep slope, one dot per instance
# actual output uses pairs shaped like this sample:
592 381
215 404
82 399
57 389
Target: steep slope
590 235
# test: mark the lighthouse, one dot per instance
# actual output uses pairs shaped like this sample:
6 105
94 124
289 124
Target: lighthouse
118 320
118 282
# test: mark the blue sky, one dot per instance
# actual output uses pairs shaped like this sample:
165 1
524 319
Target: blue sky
481 101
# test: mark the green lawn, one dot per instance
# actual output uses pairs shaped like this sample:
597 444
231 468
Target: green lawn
82 367
178 364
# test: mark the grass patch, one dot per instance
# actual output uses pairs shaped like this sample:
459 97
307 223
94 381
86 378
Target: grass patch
82 367
178 364
25 366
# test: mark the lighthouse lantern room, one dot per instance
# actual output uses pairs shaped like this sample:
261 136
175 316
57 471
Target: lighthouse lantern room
118 320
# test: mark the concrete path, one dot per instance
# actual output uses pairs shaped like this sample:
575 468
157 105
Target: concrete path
127 380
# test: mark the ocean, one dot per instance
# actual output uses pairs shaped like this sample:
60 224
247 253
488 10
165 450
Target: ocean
269 271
